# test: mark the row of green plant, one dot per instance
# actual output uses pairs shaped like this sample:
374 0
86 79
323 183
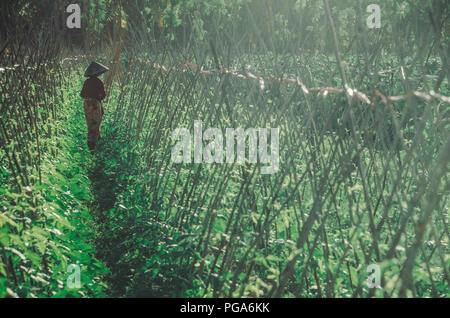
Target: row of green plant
340 202
45 225
358 184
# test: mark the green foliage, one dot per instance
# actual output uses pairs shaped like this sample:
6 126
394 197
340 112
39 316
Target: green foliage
45 224
176 230
359 183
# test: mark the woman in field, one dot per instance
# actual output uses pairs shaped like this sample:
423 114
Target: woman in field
93 93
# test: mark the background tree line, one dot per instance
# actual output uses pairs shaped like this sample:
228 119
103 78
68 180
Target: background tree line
278 26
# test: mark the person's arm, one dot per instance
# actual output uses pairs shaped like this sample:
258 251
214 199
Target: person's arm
101 90
83 90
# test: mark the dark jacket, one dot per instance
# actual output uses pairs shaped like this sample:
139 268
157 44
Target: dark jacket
93 88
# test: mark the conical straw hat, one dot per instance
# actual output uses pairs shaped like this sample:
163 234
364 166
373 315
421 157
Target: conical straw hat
95 69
